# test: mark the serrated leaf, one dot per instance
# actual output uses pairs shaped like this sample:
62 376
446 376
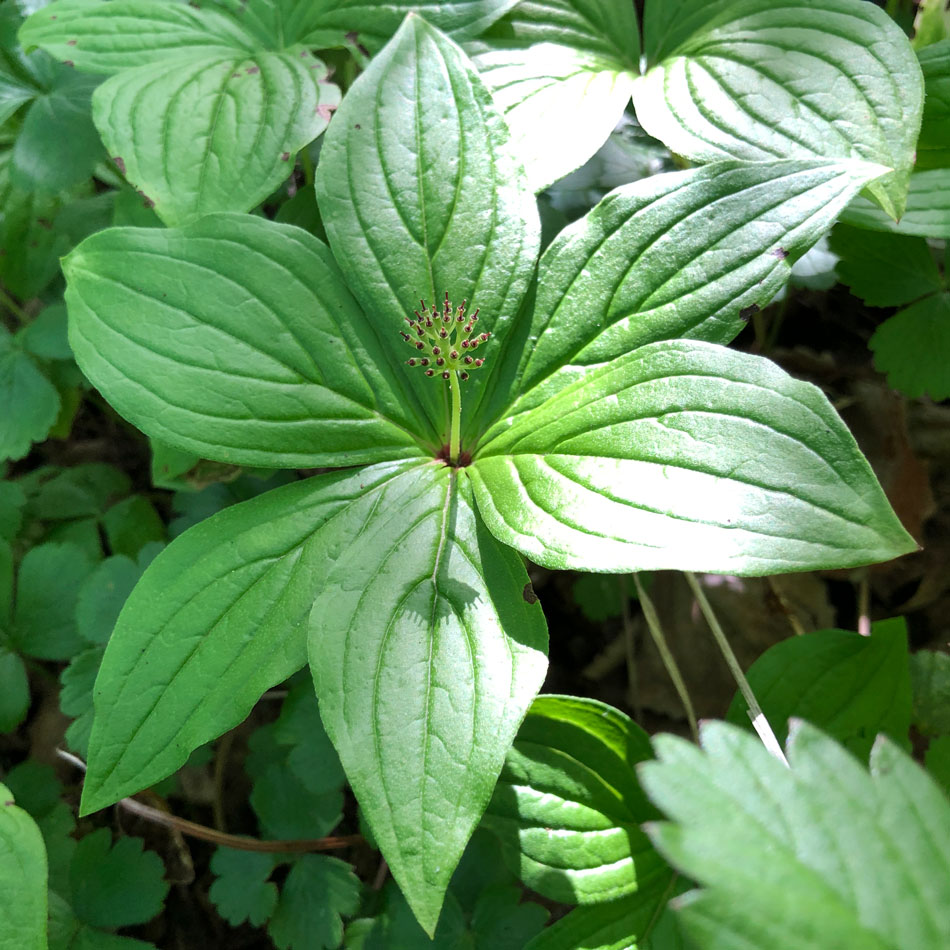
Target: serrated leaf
22 878
131 524
686 254
568 808
300 922
930 685
759 80
913 348
885 270
214 133
933 144
102 595
46 336
48 584
849 686
281 369
15 694
58 146
75 697
39 792
12 500
820 851
31 398
684 455
79 491
423 706
241 889
927 213
421 196
115 885
614 925
217 619
537 85
286 808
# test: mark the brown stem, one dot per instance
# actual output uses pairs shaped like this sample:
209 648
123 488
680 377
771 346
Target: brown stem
239 842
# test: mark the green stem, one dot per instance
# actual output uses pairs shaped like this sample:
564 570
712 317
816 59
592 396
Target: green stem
14 307
455 431
759 722
666 655
306 163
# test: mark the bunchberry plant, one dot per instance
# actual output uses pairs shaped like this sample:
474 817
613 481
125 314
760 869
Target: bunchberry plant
608 429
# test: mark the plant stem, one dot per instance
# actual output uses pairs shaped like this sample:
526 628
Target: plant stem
14 307
306 164
669 661
759 722
455 431
295 845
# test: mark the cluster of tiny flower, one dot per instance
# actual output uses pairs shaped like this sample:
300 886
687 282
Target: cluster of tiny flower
445 339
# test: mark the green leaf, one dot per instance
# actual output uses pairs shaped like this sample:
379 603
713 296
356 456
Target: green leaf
31 400
46 335
688 456
58 146
75 697
217 619
885 270
851 687
80 491
421 196
301 922
501 922
604 27
12 500
687 254
536 86
286 808
281 367
600 597
15 694
215 133
551 58
930 684
927 213
427 645
131 524
613 925
396 926
44 621
116 885
102 595
107 38
760 80
39 792
14 93
937 760
933 144
913 348
373 23
817 854
567 805
241 889
22 878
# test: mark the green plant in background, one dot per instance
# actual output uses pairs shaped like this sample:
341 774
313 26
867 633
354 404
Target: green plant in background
594 437
592 419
